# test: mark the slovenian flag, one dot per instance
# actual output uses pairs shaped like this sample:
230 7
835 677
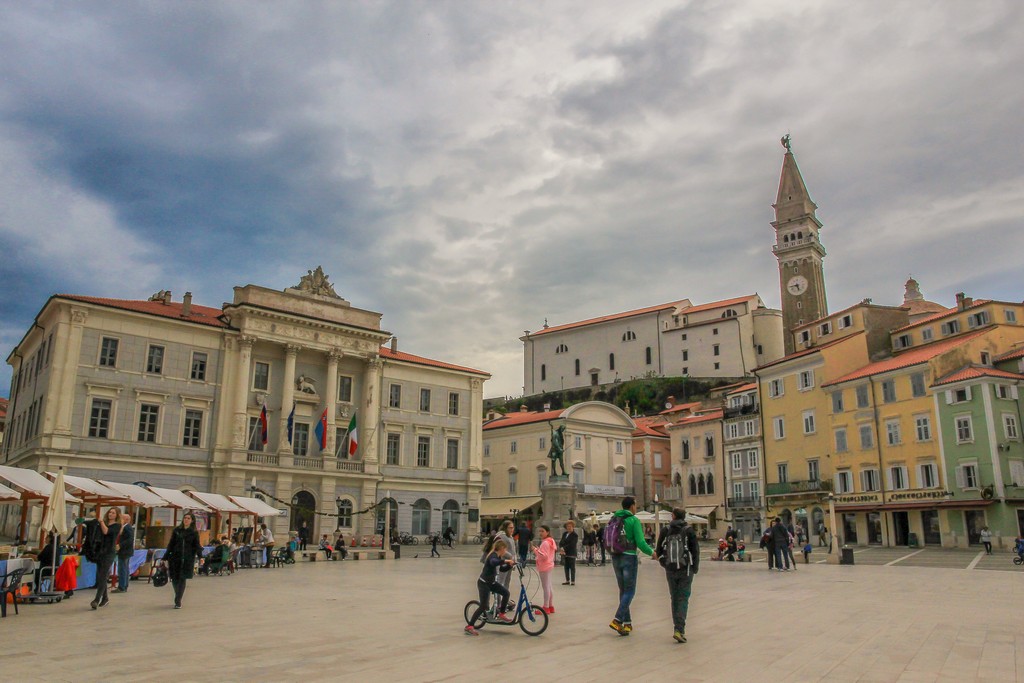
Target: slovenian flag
291 423
353 441
321 431
263 426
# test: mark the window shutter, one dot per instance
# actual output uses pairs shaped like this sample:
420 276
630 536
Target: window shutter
949 397
888 478
1013 392
960 478
835 484
967 392
920 476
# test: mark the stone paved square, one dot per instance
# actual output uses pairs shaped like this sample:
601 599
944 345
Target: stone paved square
403 620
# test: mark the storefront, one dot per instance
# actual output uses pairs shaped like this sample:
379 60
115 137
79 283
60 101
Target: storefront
927 517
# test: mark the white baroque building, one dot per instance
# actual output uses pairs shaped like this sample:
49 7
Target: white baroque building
170 393
719 340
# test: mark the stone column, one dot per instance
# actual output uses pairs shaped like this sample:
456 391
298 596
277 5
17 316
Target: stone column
331 400
62 374
369 420
240 428
287 397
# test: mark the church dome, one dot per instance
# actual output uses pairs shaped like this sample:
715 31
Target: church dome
918 307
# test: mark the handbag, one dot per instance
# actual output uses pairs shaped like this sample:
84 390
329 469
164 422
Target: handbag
160 577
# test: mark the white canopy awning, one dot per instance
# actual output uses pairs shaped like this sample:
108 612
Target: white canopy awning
89 487
256 506
503 507
137 494
31 482
8 494
216 501
177 499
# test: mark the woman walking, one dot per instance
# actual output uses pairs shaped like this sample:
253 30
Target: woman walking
181 555
545 554
109 530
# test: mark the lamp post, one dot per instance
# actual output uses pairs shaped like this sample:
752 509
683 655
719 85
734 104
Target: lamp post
833 547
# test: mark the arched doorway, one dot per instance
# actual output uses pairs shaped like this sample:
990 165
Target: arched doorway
393 504
450 516
421 517
303 510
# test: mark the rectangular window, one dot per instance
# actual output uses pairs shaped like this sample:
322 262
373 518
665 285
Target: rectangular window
751 428
776 388
844 481
657 460
824 329
889 391
917 389
751 460
424 400
892 432
862 396
737 490
487 485
618 448
512 483
715 350
513 447
1004 391
779 423
1017 472
577 476
686 355
718 366
344 388
813 470
198 371
620 479
300 439
902 341
108 352
452 461
841 444
755 490
867 438
155 360
952 327
964 430
734 430
394 449
99 418
808 422
898 478
542 478
1011 317
929 476
395 396
261 376
340 448
453 402
927 334
869 480
193 427
255 435
837 401
149 416
923 427
783 470
967 476
578 442
845 321
1010 426
487 450
423 451
737 460
806 380
542 443
977 320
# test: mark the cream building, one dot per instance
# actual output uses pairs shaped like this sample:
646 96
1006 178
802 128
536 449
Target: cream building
696 442
597 457
170 393
718 340
744 460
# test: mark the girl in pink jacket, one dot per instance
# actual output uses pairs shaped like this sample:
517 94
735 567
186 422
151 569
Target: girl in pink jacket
545 554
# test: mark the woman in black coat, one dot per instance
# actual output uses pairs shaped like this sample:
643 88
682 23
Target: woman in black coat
109 530
181 555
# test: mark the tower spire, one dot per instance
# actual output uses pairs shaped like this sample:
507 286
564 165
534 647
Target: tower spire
793 200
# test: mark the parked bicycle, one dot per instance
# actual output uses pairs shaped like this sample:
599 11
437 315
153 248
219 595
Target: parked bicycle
533 620
407 539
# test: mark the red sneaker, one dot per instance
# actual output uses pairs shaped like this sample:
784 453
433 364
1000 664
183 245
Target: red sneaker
550 610
504 618
470 631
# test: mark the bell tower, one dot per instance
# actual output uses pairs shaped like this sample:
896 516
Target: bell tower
798 250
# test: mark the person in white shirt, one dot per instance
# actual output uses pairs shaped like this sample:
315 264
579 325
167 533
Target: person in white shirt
268 543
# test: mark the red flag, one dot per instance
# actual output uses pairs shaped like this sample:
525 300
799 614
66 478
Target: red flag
263 426
321 430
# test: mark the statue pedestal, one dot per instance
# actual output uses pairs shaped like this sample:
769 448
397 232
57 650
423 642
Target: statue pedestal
558 498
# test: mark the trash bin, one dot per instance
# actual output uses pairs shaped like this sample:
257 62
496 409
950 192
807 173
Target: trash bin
846 555
912 540
397 550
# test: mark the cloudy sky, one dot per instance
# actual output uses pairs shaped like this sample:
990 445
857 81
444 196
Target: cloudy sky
472 168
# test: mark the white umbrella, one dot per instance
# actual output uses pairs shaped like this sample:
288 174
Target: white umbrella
56 519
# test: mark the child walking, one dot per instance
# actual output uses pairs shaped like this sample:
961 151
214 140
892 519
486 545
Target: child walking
488 583
545 554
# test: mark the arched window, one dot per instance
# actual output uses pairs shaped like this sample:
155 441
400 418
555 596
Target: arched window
629 335
701 486
345 514
543 372
611 361
577 367
649 355
686 448
711 483
729 313
561 348
693 485
709 446
785 239
578 474
450 516
421 517
382 508
800 234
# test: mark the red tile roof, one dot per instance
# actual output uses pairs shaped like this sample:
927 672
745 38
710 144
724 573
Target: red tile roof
679 407
745 387
808 351
1010 355
717 304
606 318
696 419
202 315
922 354
386 352
650 426
942 314
976 372
521 418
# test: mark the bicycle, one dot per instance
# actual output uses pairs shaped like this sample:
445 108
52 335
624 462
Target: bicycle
532 620
479 539
407 539
1018 559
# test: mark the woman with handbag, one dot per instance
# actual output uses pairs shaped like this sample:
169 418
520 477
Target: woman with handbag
181 555
109 530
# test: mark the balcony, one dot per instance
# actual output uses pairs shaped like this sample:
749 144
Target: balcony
350 466
308 463
791 487
748 409
745 503
262 458
672 493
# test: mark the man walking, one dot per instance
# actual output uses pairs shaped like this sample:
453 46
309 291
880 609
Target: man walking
679 554
125 550
624 535
780 541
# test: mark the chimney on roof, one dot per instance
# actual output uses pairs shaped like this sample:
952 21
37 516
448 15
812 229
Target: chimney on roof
523 409
394 344
186 305
547 407
167 297
491 414
963 302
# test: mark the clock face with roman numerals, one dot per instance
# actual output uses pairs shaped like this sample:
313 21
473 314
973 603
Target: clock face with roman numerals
797 285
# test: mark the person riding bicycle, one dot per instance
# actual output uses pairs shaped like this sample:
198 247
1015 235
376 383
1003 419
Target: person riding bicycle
1018 547
487 584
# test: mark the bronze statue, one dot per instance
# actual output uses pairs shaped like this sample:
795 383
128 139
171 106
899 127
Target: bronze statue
557 452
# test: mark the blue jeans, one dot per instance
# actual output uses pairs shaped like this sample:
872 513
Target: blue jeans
122 572
625 576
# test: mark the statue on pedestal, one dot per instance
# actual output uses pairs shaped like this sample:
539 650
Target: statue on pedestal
557 452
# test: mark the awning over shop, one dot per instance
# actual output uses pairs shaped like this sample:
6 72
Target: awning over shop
32 483
91 488
502 507
217 502
256 506
8 494
177 499
919 505
136 494
701 510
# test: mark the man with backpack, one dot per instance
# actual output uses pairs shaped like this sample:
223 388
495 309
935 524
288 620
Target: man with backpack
679 554
623 536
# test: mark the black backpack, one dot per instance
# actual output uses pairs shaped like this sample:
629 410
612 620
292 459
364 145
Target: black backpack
677 551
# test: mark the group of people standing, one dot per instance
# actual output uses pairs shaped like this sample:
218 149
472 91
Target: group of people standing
777 541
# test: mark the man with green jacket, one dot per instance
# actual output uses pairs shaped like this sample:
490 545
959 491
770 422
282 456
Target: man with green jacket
624 562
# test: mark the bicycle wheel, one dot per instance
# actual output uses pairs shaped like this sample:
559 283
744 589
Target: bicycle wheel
470 610
535 626
1018 560
414 541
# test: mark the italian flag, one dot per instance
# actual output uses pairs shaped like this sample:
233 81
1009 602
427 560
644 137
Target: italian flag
353 440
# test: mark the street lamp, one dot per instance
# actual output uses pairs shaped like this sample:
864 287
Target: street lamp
833 547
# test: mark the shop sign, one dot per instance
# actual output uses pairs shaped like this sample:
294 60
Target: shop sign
604 490
857 498
930 494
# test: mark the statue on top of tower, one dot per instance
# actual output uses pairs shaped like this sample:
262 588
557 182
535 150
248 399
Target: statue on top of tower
786 142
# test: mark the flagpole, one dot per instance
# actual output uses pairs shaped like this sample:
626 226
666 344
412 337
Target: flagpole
255 426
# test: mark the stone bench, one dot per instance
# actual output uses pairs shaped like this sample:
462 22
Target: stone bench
357 553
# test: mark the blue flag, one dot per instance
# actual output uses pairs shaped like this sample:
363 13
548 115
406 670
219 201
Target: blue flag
291 422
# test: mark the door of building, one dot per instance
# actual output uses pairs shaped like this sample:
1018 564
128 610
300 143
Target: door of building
874 528
930 524
974 520
901 528
303 510
849 528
